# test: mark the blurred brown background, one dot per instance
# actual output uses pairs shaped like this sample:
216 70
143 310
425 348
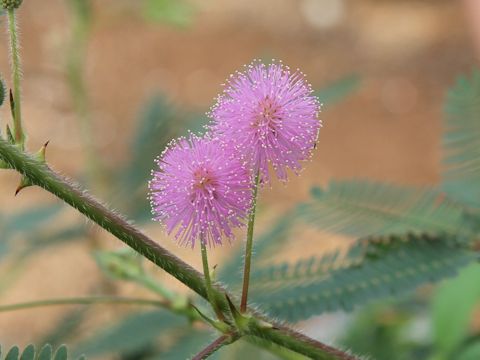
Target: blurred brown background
407 53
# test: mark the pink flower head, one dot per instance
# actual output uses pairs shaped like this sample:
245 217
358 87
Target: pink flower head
270 115
200 191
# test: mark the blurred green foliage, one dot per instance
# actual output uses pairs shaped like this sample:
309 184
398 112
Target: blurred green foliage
453 309
175 12
134 334
337 90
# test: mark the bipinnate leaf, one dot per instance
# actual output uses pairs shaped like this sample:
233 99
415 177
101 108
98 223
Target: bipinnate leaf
362 208
461 140
373 268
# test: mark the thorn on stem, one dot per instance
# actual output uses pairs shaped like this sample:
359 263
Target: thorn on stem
42 151
20 188
24 183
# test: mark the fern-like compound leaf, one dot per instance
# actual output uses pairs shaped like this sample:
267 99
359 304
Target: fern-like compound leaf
364 208
461 140
373 268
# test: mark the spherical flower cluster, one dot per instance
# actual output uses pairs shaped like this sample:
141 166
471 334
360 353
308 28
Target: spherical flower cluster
200 191
266 116
269 115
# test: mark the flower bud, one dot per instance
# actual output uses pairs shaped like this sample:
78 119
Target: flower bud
11 4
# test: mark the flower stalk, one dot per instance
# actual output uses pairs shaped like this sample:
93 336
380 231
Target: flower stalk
249 247
18 132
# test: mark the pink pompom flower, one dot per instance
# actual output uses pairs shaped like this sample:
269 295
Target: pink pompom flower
201 191
268 114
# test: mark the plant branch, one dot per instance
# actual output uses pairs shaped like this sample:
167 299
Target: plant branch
249 248
293 340
40 174
214 346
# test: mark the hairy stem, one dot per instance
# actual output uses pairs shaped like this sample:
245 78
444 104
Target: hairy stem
211 348
18 133
279 351
40 174
295 341
208 281
84 301
249 248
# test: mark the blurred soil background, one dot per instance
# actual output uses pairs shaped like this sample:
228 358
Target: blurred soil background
406 54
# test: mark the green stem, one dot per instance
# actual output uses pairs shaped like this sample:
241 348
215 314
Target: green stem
295 341
40 174
83 301
208 281
19 135
214 346
249 248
